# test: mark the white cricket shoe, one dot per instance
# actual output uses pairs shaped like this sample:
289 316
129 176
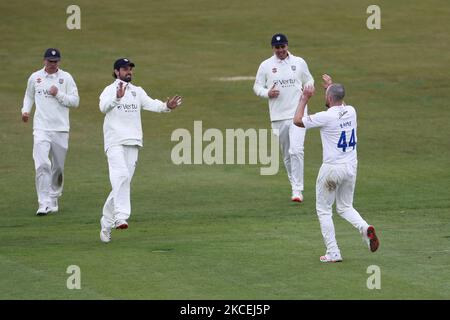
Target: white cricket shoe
370 237
121 224
331 257
54 205
297 196
43 210
105 235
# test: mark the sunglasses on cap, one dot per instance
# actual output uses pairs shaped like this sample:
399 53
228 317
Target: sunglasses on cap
280 46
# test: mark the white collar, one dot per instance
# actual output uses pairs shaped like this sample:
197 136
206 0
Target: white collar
285 60
338 106
46 74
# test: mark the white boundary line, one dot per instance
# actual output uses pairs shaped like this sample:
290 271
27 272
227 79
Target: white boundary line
236 78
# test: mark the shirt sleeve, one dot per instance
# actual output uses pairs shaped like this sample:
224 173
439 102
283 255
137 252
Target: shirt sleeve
306 77
28 99
70 98
260 86
150 104
108 100
316 120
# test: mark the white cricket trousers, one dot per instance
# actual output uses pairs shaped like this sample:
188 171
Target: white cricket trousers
122 162
336 182
292 140
49 154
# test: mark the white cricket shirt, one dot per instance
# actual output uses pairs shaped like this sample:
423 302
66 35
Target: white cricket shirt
52 113
122 124
289 76
338 133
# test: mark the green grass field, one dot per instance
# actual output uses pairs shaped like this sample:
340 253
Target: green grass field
225 231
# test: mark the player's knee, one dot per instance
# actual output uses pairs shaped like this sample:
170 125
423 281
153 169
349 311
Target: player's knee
296 151
123 177
43 168
341 209
119 175
323 211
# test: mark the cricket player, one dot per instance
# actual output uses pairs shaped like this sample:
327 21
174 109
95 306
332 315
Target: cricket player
122 102
337 175
281 79
54 92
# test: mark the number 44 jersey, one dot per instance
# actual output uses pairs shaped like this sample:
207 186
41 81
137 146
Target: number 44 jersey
338 133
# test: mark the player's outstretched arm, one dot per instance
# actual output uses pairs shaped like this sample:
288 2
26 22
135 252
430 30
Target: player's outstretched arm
173 102
306 95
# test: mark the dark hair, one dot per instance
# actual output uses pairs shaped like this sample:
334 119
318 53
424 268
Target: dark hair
114 74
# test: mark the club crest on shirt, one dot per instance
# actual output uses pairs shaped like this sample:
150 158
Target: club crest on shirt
61 81
38 80
293 68
133 93
274 70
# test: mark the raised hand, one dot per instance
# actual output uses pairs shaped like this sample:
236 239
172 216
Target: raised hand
173 102
273 93
308 91
327 81
121 90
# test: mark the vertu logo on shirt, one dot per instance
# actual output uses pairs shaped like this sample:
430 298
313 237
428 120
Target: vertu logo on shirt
44 92
128 107
285 83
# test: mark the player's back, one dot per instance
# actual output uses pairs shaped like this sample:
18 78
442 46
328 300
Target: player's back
339 136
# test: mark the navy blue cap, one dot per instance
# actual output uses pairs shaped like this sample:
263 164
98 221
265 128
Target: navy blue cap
123 62
52 54
279 39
